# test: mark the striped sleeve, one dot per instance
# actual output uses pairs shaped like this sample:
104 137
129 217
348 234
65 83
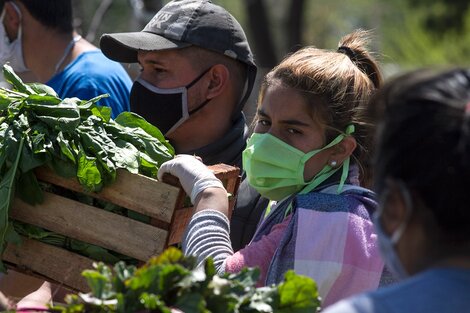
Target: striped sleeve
207 235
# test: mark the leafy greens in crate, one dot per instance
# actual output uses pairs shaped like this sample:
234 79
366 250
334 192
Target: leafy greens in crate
76 138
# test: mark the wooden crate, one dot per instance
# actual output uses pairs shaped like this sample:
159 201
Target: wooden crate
163 202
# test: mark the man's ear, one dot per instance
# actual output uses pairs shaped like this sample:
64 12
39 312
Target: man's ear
218 79
343 150
11 20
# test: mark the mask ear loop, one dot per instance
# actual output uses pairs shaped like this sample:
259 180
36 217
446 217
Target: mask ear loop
405 192
4 12
203 104
344 175
328 171
17 9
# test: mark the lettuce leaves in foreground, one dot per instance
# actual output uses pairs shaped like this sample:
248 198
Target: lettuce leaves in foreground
172 281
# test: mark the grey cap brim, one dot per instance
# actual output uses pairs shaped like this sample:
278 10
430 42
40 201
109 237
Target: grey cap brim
123 47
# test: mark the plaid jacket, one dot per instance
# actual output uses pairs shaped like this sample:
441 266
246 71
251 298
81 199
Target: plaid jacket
331 239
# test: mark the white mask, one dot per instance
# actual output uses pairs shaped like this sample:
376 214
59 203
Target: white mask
12 52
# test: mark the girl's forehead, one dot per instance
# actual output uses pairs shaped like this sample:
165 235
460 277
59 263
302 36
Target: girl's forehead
278 94
284 100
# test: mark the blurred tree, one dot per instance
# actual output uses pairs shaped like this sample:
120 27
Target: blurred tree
443 15
411 33
262 40
144 10
295 24
92 18
273 27
412 43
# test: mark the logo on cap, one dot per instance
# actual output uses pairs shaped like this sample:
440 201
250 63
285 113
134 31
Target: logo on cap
160 18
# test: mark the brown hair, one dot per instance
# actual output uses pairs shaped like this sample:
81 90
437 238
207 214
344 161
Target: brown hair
337 84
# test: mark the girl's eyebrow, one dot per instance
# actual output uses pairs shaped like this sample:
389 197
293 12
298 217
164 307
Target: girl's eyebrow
295 122
260 112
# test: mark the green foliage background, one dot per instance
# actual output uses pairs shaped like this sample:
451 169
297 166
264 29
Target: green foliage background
414 42
408 33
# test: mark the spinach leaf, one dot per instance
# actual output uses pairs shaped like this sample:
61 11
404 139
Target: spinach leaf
13 79
43 90
28 188
7 191
133 120
76 138
88 173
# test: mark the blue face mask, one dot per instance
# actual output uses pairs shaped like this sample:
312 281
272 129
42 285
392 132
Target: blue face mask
387 244
387 249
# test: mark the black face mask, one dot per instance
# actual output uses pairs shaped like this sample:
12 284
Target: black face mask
164 108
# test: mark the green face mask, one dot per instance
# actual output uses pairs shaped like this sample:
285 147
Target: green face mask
276 169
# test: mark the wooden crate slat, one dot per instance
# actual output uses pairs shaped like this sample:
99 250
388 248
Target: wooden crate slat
229 176
132 191
178 227
62 266
92 225
161 201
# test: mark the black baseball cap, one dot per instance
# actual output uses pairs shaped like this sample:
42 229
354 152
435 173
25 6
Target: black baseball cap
182 23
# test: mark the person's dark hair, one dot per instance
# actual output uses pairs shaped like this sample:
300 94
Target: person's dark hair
55 14
337 84
424 141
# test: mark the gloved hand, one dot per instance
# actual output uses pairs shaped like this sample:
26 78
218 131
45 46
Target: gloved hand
194 176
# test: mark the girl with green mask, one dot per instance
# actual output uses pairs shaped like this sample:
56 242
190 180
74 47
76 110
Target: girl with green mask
309 144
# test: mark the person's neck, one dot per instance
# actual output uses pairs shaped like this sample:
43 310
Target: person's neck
198 138
446 256
192 136
454 257
41 60
44 62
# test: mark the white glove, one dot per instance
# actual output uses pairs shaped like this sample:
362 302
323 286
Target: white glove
194 176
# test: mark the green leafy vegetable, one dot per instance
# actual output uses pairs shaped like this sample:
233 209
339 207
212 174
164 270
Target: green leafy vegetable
172 281
74 137
7 190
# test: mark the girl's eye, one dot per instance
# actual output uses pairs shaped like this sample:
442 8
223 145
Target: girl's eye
293 131
263 122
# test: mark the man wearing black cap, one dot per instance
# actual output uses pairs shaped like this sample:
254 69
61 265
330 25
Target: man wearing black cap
197 73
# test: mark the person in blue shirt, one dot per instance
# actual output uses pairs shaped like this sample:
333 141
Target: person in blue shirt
39 39
422 175
92 74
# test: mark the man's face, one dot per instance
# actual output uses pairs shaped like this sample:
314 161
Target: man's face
173 69
211 97
166 69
